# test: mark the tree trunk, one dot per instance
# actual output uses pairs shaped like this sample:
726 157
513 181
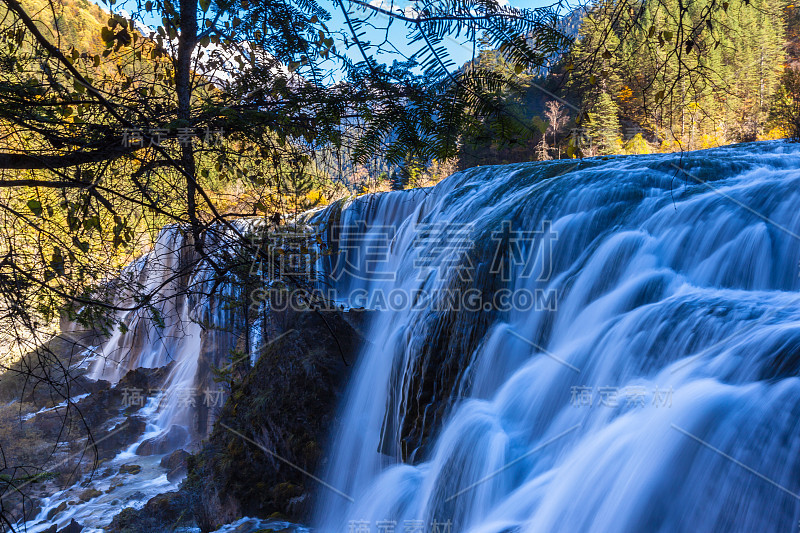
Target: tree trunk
187 40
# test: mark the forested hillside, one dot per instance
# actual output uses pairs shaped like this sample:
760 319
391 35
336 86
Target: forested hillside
705 83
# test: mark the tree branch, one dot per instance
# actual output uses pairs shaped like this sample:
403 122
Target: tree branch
18 161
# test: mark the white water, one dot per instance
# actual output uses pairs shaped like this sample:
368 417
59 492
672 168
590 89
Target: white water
678 291
188 328
145 343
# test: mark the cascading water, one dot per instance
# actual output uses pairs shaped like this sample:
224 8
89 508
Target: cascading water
608 345
605 345
183 327
157 335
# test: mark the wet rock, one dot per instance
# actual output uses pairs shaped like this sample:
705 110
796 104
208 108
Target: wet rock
175 459
144 380
53 512
121 437
72 527
175 464
164 512
84 385
167 441
128 395
286 403
248 526
130 469
88 494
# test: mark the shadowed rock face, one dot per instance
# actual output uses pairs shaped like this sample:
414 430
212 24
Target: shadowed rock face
175 464
286 404
164 512
174 437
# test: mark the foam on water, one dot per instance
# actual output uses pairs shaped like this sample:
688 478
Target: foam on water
676 284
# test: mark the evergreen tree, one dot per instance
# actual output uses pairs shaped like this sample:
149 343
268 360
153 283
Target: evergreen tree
683 71
603 125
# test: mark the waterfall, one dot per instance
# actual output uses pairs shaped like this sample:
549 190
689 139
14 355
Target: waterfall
188 327
166 332
605 345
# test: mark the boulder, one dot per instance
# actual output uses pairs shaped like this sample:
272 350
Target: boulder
164 512
83 385
167 441
130 469
72 527
121 437
175 464
89 494
55 510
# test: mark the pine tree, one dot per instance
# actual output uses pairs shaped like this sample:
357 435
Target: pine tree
707 75
603 125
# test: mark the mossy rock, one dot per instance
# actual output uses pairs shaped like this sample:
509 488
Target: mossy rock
89 494
53 512
286 403
130 469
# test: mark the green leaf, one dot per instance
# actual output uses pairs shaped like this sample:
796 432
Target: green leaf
92 222
518 69
36 207
667 35
83 246
57 261
124 37
204 5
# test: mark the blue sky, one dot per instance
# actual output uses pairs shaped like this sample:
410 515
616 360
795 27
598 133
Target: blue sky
459 52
